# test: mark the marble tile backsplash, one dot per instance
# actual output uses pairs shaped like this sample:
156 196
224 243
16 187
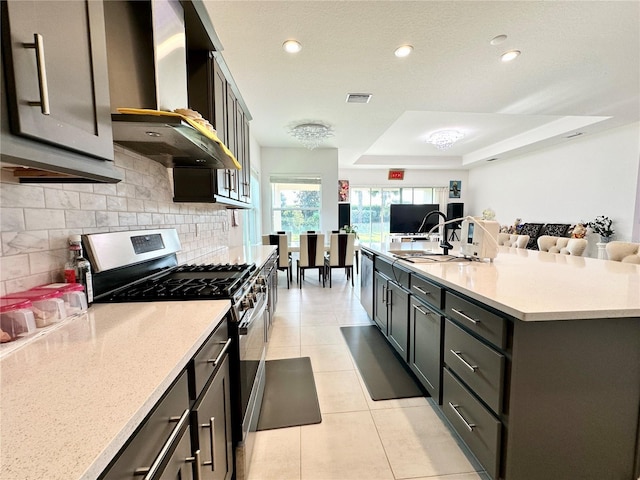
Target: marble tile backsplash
37 219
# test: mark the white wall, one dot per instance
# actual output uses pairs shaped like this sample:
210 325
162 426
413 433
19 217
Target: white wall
575 182
321 161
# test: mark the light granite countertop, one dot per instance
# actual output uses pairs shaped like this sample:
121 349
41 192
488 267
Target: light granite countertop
257 254
531 285
70 399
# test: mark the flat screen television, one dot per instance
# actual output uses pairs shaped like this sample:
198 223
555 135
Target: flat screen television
407 218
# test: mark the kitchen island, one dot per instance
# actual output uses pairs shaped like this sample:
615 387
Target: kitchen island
534 357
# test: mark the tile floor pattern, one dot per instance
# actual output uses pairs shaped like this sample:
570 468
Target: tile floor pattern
358 439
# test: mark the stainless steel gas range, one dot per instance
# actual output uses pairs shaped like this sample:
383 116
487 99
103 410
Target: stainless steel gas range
141 266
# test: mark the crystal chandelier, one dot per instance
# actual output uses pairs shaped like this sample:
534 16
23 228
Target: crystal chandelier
444 139
311 135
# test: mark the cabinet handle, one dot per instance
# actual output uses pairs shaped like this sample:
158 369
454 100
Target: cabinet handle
212 428
232 184
473 368
384 294
38 45
466 317
196 461
150 472
470 426
389 297
216 361
420 310
424 292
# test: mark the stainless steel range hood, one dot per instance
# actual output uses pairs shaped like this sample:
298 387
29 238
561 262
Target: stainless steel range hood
152 78
170 141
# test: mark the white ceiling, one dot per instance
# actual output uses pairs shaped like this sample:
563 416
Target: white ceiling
579 71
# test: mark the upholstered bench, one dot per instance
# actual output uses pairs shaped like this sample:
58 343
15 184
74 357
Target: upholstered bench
535 230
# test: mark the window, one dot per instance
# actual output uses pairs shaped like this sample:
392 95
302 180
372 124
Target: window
295 204
252 215
370 207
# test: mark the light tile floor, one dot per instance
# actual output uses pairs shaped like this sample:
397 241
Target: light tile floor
358 438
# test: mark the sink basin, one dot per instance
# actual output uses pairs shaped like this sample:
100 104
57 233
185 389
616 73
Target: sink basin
410 253
424 256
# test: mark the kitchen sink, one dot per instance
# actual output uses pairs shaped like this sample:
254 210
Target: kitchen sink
424 256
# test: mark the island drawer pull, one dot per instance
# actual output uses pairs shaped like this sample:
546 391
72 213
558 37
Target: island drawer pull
466 317
458 355
212 428
424 312
196 460
150 472
424 292
217 360
470 426
38 46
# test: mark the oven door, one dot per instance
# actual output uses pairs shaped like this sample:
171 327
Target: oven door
252 349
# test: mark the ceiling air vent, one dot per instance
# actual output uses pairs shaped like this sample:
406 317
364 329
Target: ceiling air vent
358 97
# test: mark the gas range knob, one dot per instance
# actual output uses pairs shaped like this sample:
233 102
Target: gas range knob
258 288
246 303
261 280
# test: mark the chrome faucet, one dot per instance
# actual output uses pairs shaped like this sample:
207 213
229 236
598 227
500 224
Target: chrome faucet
444 244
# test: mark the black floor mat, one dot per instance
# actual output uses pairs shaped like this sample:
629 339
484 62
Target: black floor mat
383 372
290 397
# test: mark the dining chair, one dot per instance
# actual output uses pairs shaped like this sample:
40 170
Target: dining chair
311 256
341 254
284 256
626 252
562 245
513 240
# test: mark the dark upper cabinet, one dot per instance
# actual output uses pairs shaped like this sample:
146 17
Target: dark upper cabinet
56 72
211 94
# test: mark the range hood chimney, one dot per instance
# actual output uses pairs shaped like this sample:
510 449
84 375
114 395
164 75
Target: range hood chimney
153 75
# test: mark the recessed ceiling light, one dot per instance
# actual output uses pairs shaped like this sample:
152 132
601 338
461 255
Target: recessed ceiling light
292 46
510 55
498 39
403 50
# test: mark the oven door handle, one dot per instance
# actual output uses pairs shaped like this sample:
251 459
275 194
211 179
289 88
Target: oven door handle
256 312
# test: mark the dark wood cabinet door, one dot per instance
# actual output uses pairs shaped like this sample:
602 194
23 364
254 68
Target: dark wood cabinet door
380 313
425 349
398 321
213 414
220 123
245 190
232 142
56 66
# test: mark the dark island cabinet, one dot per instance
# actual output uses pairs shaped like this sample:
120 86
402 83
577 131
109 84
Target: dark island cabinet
426 335
398 320
380 311
548 399
55 60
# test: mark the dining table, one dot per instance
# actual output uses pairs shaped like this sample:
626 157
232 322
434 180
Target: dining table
295 247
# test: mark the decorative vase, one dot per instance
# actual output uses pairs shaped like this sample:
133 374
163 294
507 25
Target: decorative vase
604 239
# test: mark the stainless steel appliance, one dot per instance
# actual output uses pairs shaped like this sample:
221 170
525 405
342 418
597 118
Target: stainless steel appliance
141 266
